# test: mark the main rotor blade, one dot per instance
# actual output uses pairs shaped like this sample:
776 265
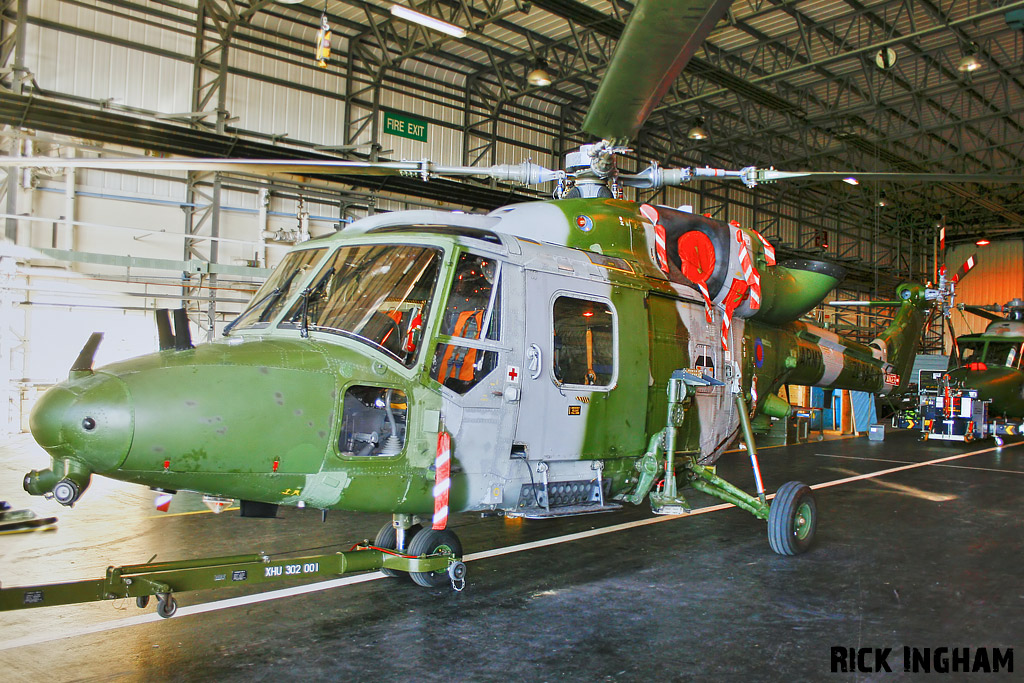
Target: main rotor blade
850 302
770 174
660 38
965 268
526 172
984 312
655 177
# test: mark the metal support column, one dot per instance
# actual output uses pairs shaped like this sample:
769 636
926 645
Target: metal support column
12 51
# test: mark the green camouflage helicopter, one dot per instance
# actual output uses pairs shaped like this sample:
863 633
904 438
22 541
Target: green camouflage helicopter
549 358
990 362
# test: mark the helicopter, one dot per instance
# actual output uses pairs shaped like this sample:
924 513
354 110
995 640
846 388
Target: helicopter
547 359
990 362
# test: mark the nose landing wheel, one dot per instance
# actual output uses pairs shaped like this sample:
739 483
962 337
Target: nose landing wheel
434 542
66 492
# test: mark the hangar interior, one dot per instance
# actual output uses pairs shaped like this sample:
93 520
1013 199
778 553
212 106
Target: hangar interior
827 86
917 86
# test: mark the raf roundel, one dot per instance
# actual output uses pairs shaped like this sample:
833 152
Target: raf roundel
585 223
758 352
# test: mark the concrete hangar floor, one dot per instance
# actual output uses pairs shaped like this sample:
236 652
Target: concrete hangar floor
927 556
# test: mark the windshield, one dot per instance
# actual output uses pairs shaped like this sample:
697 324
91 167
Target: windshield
278 288
997 353
970 351
1003 353
378 294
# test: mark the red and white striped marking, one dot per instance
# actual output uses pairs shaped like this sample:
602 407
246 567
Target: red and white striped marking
659 247
769 250
707 301
442 479
651 214
749 274
737 292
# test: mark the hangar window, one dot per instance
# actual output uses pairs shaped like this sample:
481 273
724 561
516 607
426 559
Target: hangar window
584 342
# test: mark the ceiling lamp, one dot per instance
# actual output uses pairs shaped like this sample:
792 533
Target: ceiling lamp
539 77
885 58
982 242
969 62
882 201
415 17
698 132
851 181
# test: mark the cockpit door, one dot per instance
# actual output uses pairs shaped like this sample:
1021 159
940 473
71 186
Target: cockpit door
477 361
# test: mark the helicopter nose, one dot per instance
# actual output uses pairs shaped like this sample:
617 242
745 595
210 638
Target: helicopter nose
89 421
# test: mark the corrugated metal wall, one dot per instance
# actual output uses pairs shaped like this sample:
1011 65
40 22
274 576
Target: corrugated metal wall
998 277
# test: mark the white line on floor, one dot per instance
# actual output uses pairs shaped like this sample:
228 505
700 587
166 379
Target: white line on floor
496 552
955 467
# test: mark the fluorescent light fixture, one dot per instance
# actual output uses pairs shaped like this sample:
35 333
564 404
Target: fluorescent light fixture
403 12
851 181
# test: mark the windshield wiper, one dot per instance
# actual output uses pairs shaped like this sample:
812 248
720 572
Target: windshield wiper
306 293
276 291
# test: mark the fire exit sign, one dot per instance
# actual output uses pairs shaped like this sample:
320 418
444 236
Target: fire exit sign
405 126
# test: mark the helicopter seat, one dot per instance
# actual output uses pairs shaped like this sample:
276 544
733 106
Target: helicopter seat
459 362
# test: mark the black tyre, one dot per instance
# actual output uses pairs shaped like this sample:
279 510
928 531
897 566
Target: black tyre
432 542
142 601
387 538
166 607
792 519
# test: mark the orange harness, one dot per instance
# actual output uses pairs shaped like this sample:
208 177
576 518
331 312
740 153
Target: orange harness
458 361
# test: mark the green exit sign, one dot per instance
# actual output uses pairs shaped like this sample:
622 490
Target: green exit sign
405 126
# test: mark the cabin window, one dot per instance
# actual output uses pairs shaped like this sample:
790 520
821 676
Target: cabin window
286 279
472 313
373 421
376 294
584 342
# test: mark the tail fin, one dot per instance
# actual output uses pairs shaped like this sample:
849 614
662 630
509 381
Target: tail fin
900 340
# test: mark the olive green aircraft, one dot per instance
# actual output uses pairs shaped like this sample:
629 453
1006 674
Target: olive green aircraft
549 358
990 362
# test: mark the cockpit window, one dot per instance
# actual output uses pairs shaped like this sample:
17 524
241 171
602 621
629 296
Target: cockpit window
971 351
996 352
1003 353
278 288
473 312
377 294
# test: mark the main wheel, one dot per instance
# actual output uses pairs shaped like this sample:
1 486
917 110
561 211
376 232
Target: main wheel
387 538
432 542
792 519
166 607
